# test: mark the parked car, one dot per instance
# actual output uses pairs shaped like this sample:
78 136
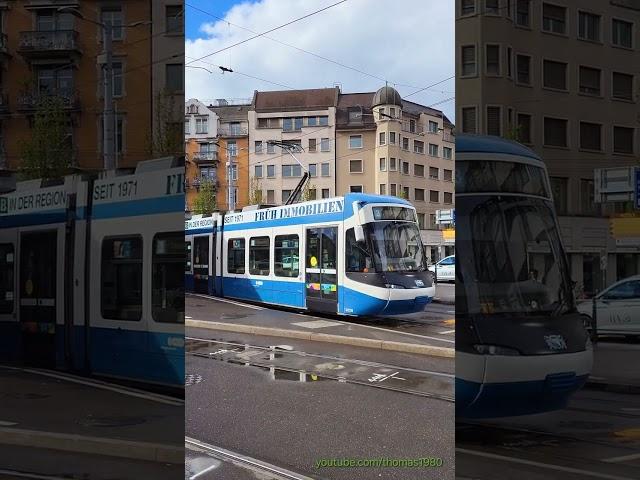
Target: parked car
445 269
618 308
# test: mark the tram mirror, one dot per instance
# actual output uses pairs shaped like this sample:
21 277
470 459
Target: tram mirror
359 233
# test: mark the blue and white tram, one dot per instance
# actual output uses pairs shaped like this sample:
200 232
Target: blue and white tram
521 345
90 274
353 255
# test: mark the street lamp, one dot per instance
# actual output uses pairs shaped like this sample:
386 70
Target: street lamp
106 59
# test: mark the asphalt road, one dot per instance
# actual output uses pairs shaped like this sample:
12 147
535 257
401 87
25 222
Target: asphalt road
291 424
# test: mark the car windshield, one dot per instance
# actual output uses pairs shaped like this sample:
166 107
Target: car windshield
510 258
396 246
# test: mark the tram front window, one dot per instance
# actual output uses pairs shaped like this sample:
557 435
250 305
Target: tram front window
396 246
510 258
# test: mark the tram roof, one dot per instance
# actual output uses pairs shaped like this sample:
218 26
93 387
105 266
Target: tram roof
466 143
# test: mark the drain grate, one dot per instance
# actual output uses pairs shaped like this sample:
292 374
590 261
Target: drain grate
192 379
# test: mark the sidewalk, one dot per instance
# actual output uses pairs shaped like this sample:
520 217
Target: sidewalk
50 410
222 314
616 366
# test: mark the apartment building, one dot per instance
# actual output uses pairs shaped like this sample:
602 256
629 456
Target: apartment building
233 153
305 118
561 77
389 146
201 160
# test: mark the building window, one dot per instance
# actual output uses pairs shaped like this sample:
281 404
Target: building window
324 169
589 26
559 188
271 148
509 56
492 7
324 144
383 189
235 255
418 146
418 170
117 83
121 288
469 120
271 197
202 125
405 168
554 74
258 171
448 175
523 69
623 140
467 7
175 77
493 60
187 123
433 150
392 164
448 198
468 58
355 115
554 18
447 153
405 143
433 127
312 194
355 166
271 171
393 190
589 81
381 139
259 256
268 123
421 225
405 192
234 172
392 138
312 121
292 124
285 194
419 194
312 145
113 17
174 19
355 141
434 196
258 147
325 193
434 173
622 86
494 121
590 136
167 288
555 132
313 169
524 128
523 17
622 33
355 188
323 121
232 148
383 164
291 170
286 253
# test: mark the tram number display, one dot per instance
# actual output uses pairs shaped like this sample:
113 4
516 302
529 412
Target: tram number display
126 189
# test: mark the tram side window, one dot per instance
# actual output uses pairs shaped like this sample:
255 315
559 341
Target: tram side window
235 255
167 284
187 251
121 288
7 268
287 255
259 256
358 259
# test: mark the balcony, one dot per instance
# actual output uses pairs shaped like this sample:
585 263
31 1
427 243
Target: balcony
30 101
195 182
204 157
416 128
232 131
47 44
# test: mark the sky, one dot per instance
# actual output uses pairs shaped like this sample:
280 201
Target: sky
408 43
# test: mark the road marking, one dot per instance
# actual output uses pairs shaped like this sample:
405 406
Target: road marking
624 458
560 468
446 332
132 392
226 300
317 324
188 317
202 472
7 424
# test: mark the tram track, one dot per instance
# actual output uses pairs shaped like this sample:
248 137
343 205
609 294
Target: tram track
418 382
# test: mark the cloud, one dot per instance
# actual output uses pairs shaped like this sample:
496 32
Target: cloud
410 43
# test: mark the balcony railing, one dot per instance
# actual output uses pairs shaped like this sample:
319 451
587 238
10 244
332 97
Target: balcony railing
232 131
48 42
204 157
417 128
197 181
32 100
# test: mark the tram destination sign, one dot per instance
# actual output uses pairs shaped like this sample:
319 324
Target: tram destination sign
289 211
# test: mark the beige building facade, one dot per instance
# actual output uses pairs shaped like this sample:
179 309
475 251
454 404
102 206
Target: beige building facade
562 78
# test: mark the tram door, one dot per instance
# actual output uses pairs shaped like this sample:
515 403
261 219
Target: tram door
201 264
37 300
321 274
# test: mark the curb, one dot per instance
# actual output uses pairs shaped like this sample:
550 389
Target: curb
153 452
612 387
326 337
442 302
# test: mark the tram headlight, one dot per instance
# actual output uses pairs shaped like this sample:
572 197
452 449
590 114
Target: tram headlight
393 286
495 350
